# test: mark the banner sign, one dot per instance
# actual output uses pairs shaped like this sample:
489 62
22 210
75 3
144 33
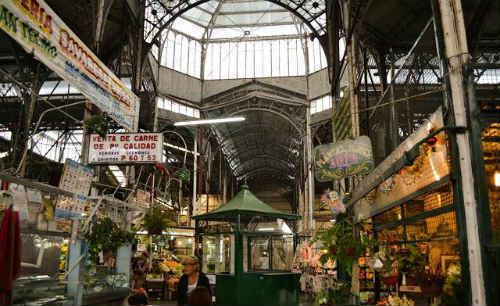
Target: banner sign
430 166
34 25
126 148
343 159
76 178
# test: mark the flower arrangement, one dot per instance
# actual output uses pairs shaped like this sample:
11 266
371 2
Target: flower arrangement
343 245
412 260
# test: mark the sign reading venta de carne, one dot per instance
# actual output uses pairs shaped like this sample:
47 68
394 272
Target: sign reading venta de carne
34 25
126 148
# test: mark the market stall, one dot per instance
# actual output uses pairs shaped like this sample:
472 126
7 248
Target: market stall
409 203
74 249
250 247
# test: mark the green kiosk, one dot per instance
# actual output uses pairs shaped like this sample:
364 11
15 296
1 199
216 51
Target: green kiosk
249 246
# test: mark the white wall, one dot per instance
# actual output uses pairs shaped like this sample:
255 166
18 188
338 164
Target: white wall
297 84
179 85
319 85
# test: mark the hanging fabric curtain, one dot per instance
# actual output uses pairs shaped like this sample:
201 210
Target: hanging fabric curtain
10 254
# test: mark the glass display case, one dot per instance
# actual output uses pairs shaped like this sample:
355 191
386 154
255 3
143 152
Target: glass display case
43 261
218 254
40 290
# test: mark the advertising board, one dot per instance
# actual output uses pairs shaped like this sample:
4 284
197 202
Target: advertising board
126 148
35 26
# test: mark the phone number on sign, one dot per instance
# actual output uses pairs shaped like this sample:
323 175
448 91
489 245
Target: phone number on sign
148 157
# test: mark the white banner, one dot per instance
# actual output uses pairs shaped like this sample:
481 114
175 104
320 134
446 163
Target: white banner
34 25
126 148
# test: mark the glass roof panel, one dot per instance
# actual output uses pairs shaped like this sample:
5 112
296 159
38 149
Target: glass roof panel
191 29
239 6
254 18
198 15
209 6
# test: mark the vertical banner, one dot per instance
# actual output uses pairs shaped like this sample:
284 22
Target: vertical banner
35 26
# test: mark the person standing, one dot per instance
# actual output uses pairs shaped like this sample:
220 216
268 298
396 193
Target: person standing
190 280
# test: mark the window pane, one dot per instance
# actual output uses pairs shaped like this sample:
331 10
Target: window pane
233 61
301 63
198 61
259 64
224 65
282 254
266 59
283 57
292 54
178 51
275 61
259 254
192 58
184 55
241 60
250 59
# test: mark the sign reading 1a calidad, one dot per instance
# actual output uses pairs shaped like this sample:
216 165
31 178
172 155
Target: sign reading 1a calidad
126 148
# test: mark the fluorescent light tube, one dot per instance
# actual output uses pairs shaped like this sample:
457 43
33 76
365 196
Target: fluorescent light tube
210 121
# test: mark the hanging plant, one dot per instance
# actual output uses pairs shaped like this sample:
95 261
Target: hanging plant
342 245
98 124
157 220
183 174
412 260
106 235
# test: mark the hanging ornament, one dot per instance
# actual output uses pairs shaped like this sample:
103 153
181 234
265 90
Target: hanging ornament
334 201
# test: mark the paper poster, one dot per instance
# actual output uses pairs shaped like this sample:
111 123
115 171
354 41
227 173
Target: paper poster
20 200
76 178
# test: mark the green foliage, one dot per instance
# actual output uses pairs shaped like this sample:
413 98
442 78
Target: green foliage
106 235
412 260
343 244
156 221
338 294
183 174
454 292
98 124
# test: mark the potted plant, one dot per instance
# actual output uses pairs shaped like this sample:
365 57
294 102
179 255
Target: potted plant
343 245
156 221
389 272
430 283
411 261
105 235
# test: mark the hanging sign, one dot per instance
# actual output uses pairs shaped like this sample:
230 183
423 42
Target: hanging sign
76 178
343 159
34 25
126 148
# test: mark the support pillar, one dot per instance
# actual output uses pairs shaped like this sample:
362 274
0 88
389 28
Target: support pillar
457 59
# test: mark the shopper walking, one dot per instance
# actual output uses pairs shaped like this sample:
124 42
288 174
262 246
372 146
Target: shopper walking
190 280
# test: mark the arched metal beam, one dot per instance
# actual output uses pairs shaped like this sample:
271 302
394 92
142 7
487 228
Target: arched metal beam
299 131
185 5
233 156
265 157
